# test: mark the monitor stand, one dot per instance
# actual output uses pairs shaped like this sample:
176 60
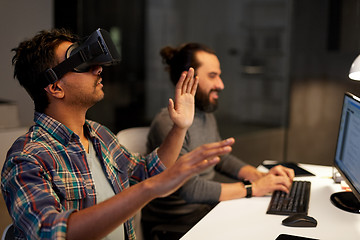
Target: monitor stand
346 201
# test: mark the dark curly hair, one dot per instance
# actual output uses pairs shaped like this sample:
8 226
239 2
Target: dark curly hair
33 57
182 58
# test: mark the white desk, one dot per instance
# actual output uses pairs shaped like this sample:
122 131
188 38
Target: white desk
247 218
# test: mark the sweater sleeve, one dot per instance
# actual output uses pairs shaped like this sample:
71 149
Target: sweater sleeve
230 165
200 190
160 127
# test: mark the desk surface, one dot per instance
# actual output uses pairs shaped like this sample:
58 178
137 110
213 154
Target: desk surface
247 219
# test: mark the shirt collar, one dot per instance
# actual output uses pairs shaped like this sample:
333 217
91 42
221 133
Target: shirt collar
58 130
89 129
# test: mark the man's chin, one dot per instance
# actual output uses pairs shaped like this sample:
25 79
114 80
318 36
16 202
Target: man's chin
205 105
209 108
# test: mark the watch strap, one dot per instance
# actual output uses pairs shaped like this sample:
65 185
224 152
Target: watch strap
248 187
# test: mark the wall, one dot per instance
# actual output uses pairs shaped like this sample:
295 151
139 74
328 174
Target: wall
20 19
240 32
324 43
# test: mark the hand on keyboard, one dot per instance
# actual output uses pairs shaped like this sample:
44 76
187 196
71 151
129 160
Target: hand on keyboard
280 170
271 183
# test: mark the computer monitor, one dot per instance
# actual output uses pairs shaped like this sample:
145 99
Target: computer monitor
347 155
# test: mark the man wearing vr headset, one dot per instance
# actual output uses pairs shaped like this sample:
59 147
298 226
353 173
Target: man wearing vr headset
69 177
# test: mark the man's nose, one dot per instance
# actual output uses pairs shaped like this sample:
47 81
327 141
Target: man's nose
220 84
97 70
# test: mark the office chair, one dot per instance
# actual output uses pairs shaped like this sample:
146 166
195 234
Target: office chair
8 233
134 139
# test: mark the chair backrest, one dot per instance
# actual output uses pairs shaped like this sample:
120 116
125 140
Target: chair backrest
134 139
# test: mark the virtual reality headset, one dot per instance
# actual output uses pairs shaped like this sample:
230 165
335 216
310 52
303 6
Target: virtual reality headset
97 50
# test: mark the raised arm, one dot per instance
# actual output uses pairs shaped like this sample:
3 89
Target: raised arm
182 114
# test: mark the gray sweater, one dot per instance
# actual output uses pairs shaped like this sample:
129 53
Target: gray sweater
200 188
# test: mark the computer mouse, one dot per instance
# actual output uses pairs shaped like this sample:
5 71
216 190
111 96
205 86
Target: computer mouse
299 220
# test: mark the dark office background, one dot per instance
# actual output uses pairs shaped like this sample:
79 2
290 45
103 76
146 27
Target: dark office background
285 66
124 105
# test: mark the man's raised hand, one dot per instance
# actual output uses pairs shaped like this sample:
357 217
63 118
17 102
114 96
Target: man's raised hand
182 110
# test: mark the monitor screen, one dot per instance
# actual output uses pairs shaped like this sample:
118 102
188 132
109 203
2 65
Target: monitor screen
347 155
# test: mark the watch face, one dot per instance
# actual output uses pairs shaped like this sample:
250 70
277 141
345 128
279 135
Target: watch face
246 182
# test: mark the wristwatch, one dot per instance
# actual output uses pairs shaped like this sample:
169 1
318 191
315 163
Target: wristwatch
248 187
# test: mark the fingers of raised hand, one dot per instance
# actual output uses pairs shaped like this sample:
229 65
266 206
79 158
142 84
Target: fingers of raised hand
208 162
194 86
188 83
206 155
214 149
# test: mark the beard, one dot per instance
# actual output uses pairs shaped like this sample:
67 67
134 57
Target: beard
89 96
202 101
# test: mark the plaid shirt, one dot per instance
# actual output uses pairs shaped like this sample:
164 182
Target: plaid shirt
46 176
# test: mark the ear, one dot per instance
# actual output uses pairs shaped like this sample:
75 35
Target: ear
55 90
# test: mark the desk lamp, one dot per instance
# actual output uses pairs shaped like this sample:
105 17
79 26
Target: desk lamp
354 73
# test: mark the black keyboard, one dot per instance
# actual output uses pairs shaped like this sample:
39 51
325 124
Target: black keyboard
296 201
